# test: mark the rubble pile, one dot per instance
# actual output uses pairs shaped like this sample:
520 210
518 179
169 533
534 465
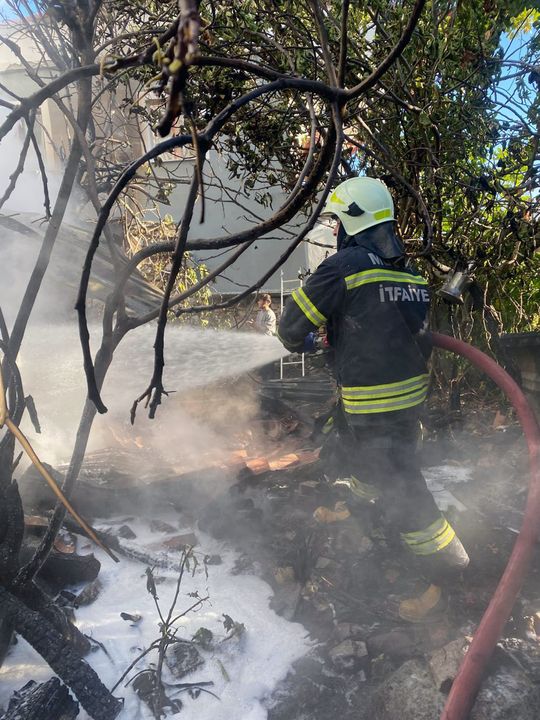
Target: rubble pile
330 565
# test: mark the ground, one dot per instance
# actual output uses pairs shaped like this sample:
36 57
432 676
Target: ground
315 602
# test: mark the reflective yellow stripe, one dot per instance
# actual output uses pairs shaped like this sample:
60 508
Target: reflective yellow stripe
381 214
334 197
430 540
387 390
378 275
328 426
363 490
308 308
361 407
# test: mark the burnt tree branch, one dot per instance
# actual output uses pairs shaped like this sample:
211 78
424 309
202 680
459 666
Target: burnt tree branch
285 213
22 160
61 658
155 390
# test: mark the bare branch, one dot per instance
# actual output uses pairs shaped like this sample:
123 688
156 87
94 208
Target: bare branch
22 161
155 390
325 43
285 213
392 56
43 175
342 63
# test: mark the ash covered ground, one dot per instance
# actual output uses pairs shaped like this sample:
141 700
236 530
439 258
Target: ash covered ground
297 617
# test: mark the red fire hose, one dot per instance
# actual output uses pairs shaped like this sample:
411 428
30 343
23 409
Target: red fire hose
468 680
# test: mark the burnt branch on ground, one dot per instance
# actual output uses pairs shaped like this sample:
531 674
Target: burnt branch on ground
66 663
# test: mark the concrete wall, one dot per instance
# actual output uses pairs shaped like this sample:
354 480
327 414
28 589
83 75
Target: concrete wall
223 217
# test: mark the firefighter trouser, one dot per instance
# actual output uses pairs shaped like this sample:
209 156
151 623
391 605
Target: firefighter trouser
384 456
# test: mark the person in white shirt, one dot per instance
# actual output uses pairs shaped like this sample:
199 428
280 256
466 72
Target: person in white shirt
265 320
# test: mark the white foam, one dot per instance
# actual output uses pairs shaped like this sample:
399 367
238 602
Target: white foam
255 665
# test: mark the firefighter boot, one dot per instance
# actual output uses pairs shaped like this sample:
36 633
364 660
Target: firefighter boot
422 608
441 557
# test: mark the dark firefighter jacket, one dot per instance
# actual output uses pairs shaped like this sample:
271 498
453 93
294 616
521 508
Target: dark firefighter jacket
374 310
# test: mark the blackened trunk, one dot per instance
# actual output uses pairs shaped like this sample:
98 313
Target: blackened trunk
61 658
46 701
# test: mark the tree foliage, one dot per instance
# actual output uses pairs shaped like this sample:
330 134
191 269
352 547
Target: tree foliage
438 97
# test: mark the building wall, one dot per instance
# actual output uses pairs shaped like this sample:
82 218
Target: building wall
129 137
224 218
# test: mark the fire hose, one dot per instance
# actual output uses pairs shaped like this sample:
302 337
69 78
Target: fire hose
471 672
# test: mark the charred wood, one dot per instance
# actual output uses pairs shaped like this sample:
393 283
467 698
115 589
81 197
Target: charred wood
47 701
61 657
6 636
11 530
40 602
61 569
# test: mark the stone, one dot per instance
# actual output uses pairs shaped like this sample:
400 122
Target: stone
134 618
161 526
181 542
286 599
183 658
213 559
444 663
284 575
349 655
396 644
508 694
408 694
124 531
89 593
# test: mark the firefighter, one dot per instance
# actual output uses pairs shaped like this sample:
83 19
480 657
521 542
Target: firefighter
375 306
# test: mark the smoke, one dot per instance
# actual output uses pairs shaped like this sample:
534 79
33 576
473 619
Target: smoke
208 408
28 194
22 226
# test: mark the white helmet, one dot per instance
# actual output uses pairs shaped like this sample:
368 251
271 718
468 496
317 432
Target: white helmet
359 203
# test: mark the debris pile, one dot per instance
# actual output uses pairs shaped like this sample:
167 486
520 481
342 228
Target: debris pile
330 564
